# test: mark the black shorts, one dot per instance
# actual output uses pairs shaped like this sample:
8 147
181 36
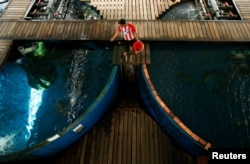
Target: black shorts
128 44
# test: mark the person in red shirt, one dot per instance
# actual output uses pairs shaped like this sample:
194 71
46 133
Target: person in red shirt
128 32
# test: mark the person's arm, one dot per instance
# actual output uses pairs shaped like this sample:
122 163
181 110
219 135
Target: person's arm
136 36
115 35
134 31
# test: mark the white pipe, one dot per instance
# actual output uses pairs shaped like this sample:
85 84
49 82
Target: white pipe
215 8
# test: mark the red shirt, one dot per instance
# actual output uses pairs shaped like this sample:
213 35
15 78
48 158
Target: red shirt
127 31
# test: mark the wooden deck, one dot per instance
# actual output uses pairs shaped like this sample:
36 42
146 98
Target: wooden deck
15 10
148 30
131 9
244 8
132 59
4 50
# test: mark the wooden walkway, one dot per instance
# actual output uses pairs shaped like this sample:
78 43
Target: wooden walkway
244 8
131 9
15 10
148 30
131 59
4 50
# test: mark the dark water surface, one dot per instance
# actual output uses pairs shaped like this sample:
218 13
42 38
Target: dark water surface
207 87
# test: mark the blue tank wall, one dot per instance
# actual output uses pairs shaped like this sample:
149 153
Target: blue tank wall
85 121
164 120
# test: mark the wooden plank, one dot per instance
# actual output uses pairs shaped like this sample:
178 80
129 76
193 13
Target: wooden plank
138 58
181 33
33 30
62 30
98 31
24 30
222 31
111 141
175 30
140 29
156 146
228 32
114 58
68 29
120 137
147 139
106 31
165 30
187 27
125 142
196 30
99 142
142 56
151 30
166 148
193 32
238 30
246 31
114 156
156 9
144 8
148 58
43 30
75 28
141 5
133 13
142 140
168 30
153 151
50 29
161 34
93 147
232 33
86 30
216 33
4 28
138 136
151 7
134 136
92 31
209 31
155 29
17 29
82 30
160 147
120 56
84 149
185 30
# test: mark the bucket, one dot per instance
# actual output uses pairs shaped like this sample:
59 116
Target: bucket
138 46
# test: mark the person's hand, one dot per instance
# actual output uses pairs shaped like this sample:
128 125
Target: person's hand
112 39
